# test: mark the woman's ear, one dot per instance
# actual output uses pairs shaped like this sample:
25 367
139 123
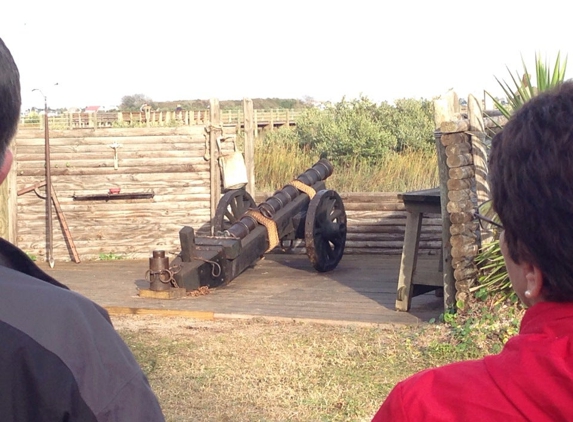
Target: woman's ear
6 165
534 283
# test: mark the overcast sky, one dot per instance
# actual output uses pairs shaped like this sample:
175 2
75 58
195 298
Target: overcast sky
99 51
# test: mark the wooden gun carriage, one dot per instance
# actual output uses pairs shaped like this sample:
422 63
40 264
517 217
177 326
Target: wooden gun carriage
302 209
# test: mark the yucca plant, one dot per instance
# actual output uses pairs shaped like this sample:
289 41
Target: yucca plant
493 279
522 88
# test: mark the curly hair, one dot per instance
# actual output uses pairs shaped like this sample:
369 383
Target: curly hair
531 180
10 100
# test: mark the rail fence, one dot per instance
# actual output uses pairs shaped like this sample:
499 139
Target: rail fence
262 118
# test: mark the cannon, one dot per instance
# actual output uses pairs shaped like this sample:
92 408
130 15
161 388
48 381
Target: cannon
244 232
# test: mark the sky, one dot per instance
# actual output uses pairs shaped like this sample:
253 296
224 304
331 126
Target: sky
98 52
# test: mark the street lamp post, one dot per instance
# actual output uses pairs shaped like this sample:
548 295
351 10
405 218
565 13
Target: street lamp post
49 228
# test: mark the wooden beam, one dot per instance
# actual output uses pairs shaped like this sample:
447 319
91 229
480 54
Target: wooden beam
445 109
124 310
479 152
214 131
249 145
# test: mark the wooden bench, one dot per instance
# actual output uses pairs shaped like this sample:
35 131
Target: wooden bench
410 283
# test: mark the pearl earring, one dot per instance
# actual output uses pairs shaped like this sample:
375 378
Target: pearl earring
527 293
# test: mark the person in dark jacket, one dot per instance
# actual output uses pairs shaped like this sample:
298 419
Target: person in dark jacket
60 357
531 180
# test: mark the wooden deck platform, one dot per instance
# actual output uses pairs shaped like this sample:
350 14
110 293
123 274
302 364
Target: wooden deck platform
361 290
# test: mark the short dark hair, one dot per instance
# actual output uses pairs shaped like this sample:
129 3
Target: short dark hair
10 100
531 179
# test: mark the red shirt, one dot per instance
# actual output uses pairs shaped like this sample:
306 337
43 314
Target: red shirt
530 380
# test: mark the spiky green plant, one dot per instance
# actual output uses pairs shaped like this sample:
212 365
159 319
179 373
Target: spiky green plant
493 279
522 88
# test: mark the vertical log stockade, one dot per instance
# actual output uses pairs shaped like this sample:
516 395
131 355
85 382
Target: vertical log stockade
460 144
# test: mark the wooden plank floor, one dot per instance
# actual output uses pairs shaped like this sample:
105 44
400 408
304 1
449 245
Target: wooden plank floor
362 289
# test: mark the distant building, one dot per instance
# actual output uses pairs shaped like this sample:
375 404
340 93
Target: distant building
92 109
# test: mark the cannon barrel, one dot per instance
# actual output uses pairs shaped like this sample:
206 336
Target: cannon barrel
318 172
302 209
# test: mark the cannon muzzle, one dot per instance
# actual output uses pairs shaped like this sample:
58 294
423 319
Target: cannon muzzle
317 173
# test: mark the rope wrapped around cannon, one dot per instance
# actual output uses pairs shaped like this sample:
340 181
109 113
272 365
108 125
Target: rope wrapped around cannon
303 209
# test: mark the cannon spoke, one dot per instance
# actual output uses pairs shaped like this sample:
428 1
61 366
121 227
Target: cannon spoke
325 230
231 207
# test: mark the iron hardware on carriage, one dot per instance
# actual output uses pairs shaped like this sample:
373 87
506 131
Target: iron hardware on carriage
244 232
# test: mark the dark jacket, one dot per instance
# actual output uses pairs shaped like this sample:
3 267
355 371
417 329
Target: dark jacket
60 357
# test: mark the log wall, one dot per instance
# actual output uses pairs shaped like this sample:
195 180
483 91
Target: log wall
170 163
376 225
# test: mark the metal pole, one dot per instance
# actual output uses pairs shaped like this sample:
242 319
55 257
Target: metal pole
49 228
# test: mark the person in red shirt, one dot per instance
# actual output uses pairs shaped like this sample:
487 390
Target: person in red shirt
531 181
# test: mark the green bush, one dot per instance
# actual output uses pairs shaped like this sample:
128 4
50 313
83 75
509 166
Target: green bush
362 129
413 125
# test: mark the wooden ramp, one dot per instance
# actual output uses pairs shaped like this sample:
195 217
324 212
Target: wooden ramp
361 290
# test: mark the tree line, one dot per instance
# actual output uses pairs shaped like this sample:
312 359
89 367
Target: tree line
135 101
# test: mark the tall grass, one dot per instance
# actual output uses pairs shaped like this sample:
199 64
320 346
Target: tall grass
278 162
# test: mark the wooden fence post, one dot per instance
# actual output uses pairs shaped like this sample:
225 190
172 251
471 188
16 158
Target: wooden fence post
215 130
445 110
461 206
479 152
249 145
459 200
147 110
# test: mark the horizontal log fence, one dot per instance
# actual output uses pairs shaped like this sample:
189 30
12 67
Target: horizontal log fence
376 225
262 118
165 178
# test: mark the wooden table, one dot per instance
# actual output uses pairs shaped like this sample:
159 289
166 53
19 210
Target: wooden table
410 283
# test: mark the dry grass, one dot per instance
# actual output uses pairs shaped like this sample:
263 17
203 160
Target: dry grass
396 173
259 370
278 163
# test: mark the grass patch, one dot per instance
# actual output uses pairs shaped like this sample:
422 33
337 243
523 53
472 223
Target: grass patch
258 370
109 256
277 163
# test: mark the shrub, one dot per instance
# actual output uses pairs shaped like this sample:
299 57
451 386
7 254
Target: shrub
413 125
362 129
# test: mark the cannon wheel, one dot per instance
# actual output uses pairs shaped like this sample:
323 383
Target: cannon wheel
231 208
325 230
